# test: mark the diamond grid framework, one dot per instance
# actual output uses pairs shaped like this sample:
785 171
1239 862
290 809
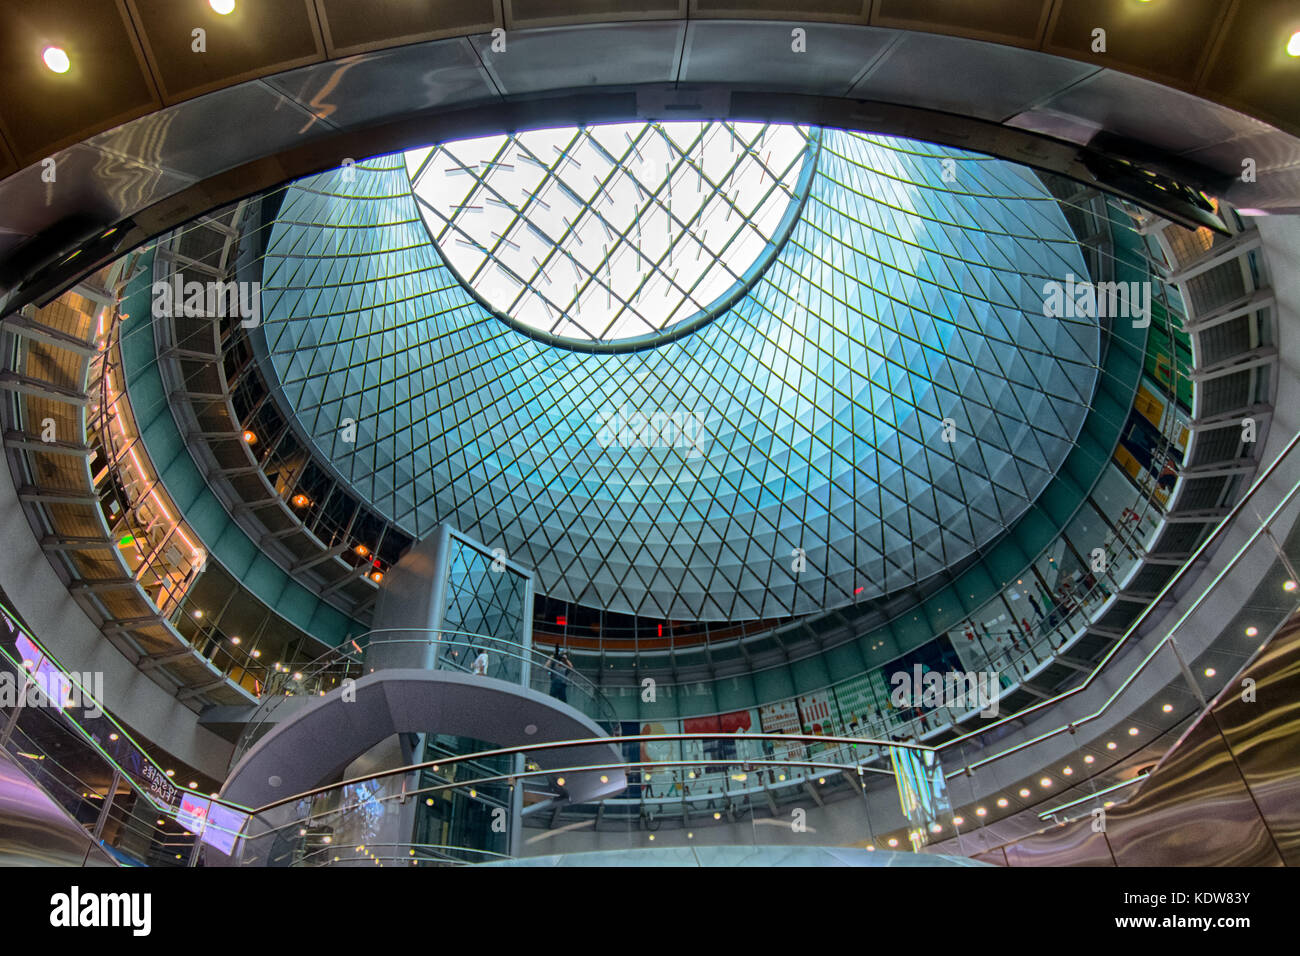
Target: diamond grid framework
603 233
897 301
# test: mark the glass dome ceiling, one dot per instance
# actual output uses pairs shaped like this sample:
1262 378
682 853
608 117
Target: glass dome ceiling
608 233
678 481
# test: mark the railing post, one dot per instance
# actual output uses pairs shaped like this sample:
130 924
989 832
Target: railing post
19 702
517 807
107 807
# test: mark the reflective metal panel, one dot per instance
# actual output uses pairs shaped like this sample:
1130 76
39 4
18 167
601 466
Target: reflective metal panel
35 831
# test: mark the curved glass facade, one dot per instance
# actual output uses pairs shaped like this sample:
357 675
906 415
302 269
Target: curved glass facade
886 398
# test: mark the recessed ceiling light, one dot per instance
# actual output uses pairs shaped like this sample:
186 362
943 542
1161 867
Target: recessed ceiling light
1002 801
821 779
112 736
1252 631
652 836
1132 731
1024 791
1089 758
1210 672
1289 585
250 437
222 7
1110 745
717 816
560 781
1293 44
604 779
893 842
958 821
56 58
1045 782
1167 708
1067 771
980 811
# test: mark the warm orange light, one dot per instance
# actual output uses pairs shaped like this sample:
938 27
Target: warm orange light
377 576
361 550
300 500
250 437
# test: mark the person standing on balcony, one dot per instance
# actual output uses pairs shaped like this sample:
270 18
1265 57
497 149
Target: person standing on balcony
560 667
481 663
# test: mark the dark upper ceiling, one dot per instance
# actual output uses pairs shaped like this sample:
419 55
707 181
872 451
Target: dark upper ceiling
133 56
146 133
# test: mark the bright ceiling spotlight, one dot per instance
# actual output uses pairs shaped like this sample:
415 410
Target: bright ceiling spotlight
1252 631
223 7
1210 672
1167 708
1289 586
250 437
1293 44
300 500
56 58
1002 801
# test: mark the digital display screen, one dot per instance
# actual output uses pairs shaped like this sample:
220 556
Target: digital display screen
224 825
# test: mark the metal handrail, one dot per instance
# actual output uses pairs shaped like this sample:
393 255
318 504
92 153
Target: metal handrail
347 661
